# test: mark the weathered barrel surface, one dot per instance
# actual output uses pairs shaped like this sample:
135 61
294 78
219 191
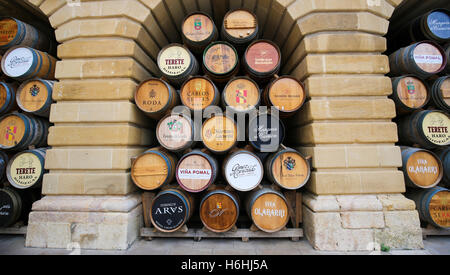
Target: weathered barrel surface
14 32
266 132
219 210
26 169
219 134
220 62
243 170
241 94
177 63
196 171
7 97
262 60
155 97
35 97
240 27
410 93
286 94
198 31
440 93
444 156
175 132
421 168
198 93
433 205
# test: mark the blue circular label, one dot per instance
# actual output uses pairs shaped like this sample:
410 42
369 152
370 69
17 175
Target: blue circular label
439 24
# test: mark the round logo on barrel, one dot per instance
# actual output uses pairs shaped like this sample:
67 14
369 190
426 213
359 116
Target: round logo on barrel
243 171
174 61
435 127
26 170
168 212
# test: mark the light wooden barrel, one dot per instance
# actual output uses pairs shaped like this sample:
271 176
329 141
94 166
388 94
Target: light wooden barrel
410 93
266 132
240 27
429 129
7 97
431 26
243 170
175 132
153 168
219 210
421 168
268 209
14 32
35 97
171 209
196 171
433 205
198 31
26 169
286 94
440 93
423 59
444 156
241 95
262 60
177 63
219 134
198 93
220 62
155 97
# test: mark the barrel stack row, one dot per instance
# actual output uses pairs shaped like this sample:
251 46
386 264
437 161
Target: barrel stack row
233 158
26 86
421 92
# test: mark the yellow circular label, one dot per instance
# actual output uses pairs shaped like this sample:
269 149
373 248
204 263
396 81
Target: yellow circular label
26 170
435 127
8 31
174 60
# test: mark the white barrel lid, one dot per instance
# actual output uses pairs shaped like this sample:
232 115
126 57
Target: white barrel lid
244 171
18 61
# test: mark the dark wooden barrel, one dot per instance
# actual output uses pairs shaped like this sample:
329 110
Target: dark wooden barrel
171 209
266 132
220 62
175 132
18 131
198 93
4 159
429 129
198 31
432 205
410 94
286 94
241 95
433 25
219 210
444 156
24 63
10 207
35 97
268 209
447 54
177 63
288 169
243 170
421 168
26 169
240 28
153 168
262 60
440 93
14 32
219 134
156 97
196 171
423 59
7 97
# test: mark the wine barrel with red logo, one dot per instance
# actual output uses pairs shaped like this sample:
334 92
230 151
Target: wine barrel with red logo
35 97
410 93
196 171
240 27
421 168
432 205
262 60
286 94
177 63
219 210
243 170
198 31
26 169
175 132
241 95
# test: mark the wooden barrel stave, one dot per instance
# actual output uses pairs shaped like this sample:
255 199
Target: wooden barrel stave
286 94
219 134
220 62
421 168
196 171
410 94
241 95
198 93
444 156
35 97
22 34
240 27
440 93
7 97
219 210
175 132
198 31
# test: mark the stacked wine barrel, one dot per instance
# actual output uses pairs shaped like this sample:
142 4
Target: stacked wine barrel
232 160
28 73
421 92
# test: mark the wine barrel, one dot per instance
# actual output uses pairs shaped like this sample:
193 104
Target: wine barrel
198 31
176 64
10 207
444 156
35 97
423 59
440 93
198 93
4 159
219 134
262 60
243 170
447 54
26 169
219 210
196 171
175 132
19 131
155 97
410 94
286 94
14 32
421 168
220 62
171 209
433 205
241 95
288 169
433 25
7 97
268 209
266 132
240 28
153 168
429 129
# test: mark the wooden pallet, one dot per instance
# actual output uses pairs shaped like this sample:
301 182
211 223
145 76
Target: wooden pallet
434 231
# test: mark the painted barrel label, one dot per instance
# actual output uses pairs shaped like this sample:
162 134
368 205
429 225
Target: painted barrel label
435 126
25 170
439 24
262 57
152 96
194 172
423 169
440 208
244 171
33 95
18 62
240 24
270 212
150 171
220 58
219 133
174 60
286 94
242 94
168 212
266 132
198 27
174 132
8 31
12 129
412 92
6 208
290 170
428 57
197 94
219 212
445 91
